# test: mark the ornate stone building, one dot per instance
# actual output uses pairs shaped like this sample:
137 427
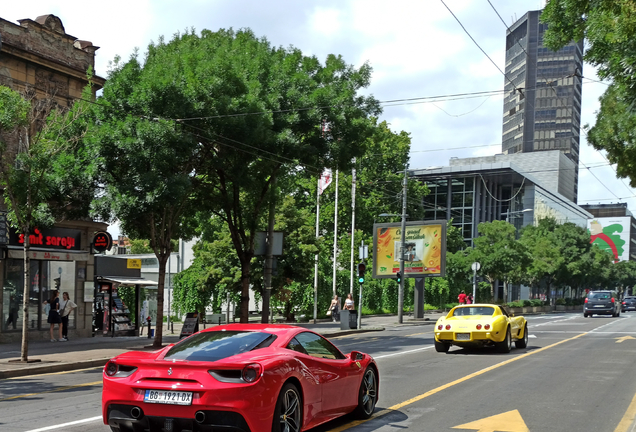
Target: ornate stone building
39 59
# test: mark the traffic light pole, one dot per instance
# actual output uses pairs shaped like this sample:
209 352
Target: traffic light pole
402 247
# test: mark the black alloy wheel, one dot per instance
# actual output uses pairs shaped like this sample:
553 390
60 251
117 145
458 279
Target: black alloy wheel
506 345
522 343
367 395
288 413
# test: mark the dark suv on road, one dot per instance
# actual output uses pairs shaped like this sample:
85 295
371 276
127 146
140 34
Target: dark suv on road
602 303
629 303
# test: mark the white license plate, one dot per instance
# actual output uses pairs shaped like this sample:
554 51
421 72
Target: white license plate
462 336
599 306
168 397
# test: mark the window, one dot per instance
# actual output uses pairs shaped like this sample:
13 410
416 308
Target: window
216 345
317 346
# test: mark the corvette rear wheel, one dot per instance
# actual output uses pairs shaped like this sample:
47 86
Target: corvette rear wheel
367 395
506 344
442 346
288 413
522 343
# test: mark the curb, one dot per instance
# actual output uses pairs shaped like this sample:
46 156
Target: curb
53 368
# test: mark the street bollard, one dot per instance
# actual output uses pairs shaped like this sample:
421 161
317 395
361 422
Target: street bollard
149 320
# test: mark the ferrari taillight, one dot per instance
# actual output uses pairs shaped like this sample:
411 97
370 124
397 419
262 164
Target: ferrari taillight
252 372
440 327
448 326
478 326
487 327
111 368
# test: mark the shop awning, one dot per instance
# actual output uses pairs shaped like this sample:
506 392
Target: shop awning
127 280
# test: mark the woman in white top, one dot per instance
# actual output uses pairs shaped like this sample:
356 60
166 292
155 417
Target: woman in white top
349 302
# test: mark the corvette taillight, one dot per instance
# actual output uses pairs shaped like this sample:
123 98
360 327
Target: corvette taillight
478 326
439 327
252 372
448 326
487 327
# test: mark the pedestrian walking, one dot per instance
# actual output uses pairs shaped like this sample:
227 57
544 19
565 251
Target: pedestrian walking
13 312
349 305
462 298
334 309
469 299
54 315
66 307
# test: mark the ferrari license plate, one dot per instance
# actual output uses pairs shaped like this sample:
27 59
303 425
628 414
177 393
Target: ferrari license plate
462 336
168 397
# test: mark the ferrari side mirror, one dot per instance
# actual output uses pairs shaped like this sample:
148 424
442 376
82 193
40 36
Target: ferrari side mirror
356 356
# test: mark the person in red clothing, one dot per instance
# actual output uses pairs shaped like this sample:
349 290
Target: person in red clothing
462 298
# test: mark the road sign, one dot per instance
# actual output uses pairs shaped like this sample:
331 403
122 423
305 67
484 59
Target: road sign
475 266
510 421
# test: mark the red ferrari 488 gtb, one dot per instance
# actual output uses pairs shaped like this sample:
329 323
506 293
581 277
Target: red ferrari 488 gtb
244 377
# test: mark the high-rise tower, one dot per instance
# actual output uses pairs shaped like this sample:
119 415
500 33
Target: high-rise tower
542 103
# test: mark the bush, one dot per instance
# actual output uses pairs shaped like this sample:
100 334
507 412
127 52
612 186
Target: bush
527 303
515 304
536 303
560 301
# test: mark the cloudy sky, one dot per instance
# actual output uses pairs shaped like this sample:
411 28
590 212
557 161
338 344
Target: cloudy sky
416 48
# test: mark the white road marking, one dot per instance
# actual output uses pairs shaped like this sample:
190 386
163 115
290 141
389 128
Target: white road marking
532 336
403 352
559 321
62 426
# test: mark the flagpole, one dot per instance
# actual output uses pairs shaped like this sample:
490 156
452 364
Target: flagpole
335 237
353 220
316 259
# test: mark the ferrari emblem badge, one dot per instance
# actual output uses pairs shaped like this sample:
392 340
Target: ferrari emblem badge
358 363
170 371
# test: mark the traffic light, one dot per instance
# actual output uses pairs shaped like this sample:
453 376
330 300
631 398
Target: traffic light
361 269
57 283
398 277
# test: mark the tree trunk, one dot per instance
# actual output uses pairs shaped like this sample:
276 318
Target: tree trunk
158 341
245 291
24 353
505 292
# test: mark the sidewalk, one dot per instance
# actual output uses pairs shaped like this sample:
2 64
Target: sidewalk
96 351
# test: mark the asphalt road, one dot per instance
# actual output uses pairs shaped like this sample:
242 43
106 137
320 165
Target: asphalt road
577 374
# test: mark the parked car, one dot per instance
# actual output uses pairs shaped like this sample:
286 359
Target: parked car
480 325
628 303
602 302
249 377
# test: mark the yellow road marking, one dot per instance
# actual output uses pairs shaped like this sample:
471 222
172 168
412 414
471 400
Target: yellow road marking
510 421
416 334
450 384
623 339
629 417
91 384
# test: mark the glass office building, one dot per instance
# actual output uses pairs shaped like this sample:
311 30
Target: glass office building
542 98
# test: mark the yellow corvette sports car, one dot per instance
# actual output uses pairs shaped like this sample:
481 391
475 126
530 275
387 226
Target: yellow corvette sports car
480 325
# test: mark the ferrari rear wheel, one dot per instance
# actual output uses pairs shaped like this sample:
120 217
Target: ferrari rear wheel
367 395
442 346
506 344
288 413
522 343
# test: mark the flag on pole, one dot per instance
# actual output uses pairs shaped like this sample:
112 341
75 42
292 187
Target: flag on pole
325 181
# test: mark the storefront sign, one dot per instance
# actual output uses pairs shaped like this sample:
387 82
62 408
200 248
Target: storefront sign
133 263
49 256
102 241
54 238
190 325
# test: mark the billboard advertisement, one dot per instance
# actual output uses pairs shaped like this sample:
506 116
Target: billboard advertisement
424 249
611 234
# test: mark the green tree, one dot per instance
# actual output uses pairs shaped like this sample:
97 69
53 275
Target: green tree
498 252
609 27
39 159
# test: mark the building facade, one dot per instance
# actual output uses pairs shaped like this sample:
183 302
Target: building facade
40 60
542 97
